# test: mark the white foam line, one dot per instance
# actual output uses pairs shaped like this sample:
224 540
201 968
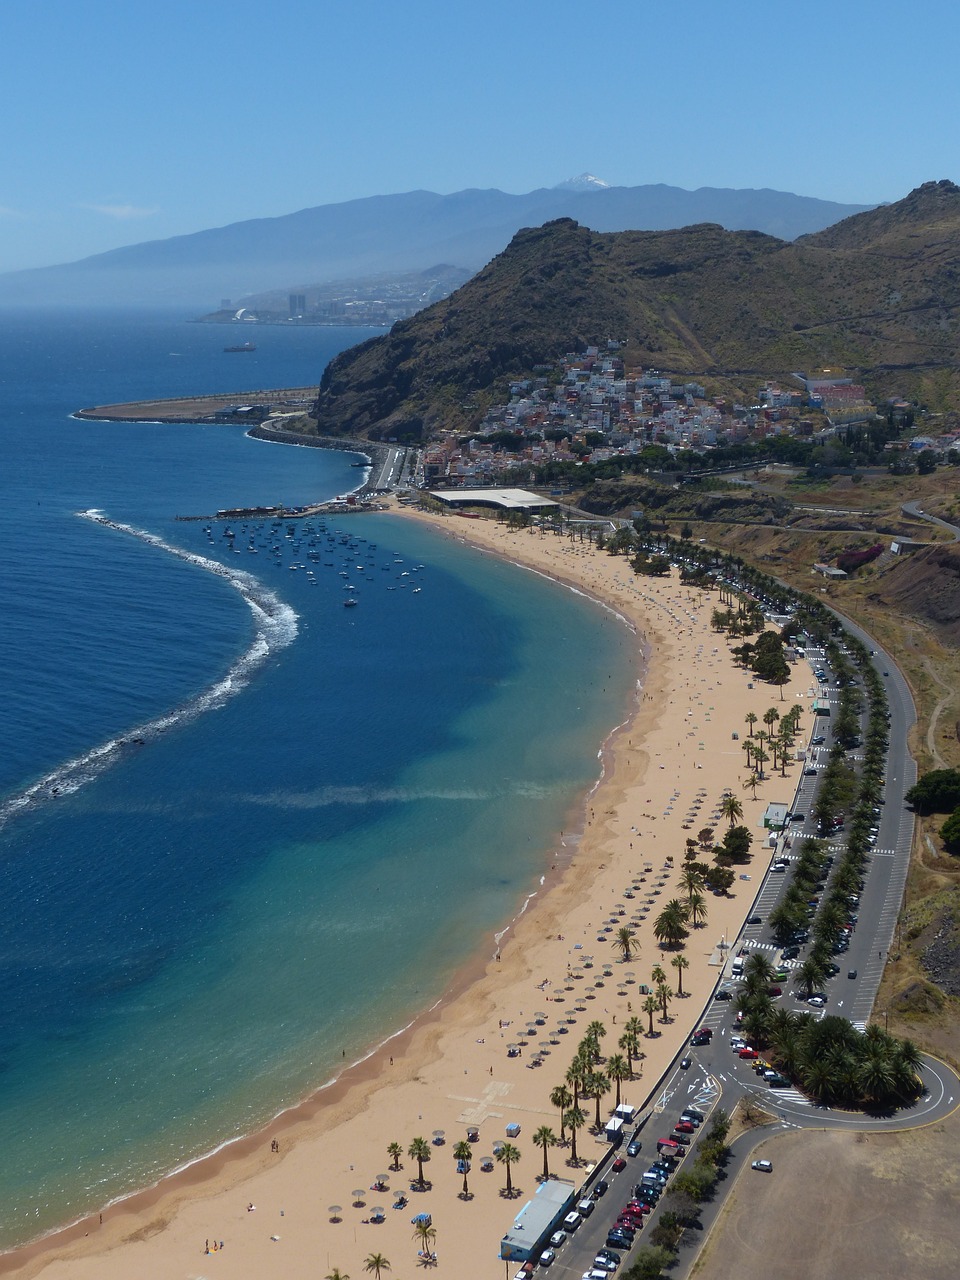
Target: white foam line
276 628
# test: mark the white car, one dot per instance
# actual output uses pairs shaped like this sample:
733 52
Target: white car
547 1257
763 1166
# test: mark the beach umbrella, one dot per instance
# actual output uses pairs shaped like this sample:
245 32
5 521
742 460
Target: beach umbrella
544 1048
539 1019
382 1180
334 1211
358 1200
421 1217
439 1135
376 1213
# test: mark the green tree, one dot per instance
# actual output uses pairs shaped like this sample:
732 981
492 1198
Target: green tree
731 808
599 1087
562 1099
545 1138
395 1151
950 832
425 1235
463 1154
574 1119
419 1150
623 939
508 1155
337 1274
680 963
376 1264
650 1006
618 1070
697 909
670 926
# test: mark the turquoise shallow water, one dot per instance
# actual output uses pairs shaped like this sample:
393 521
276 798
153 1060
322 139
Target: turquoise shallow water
196 934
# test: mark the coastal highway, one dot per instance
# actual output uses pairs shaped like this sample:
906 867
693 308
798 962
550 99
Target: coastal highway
387 476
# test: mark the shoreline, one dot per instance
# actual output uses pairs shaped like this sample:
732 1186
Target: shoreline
337 1120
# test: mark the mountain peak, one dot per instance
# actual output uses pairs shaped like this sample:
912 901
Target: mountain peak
582 182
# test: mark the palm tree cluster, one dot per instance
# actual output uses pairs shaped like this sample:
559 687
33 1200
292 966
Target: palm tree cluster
838 1065
584 1079
670 927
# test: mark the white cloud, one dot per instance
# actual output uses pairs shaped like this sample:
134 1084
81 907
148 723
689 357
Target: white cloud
120 211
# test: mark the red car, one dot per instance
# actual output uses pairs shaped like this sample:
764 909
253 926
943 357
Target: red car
683 1126
618 1164
747 1052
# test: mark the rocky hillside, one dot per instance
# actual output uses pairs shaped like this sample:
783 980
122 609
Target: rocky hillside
879 291
926 585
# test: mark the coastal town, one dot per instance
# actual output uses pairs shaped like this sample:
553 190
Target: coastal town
593 409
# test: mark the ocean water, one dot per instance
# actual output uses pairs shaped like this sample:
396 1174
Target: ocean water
245 832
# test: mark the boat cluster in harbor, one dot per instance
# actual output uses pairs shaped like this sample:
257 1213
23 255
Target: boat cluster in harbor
311 547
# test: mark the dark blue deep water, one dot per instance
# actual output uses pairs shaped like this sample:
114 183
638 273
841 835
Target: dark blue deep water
225 799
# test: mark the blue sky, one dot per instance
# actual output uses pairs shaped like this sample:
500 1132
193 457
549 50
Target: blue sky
125 120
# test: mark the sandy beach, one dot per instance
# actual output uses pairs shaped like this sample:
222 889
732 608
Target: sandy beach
264 1206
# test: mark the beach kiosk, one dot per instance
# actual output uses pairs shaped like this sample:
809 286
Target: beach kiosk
536 1221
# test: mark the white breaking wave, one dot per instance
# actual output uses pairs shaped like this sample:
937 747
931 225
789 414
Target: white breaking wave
323 797
276 626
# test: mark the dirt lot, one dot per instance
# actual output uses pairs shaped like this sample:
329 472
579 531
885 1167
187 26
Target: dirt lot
834 1206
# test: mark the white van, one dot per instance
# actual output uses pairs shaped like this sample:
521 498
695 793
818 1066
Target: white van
585 1208
571 1222
737 967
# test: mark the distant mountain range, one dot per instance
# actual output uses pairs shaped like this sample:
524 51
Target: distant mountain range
393 233
878 293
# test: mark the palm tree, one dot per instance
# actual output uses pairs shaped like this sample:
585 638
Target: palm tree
657 975
669 928
562 1099
544 1137
508 1155
376 1263
664 996
623 939
691 880
599 1086
680 963
731 808
575 1119
463 1153
630 1044
419 1150
810 975
574 1078
618 1070
425 1234
650 1007
751 720
337 1274
697 909
395 1151
596 1031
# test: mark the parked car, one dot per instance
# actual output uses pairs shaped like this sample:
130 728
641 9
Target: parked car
754 919
684 1126
599 1188
748 1054
686 1063
558 1239
851 973
810 773
633 1149
547 1257
763 1166
723 994
618 1164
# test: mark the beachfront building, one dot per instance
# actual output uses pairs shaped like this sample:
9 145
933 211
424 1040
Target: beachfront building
502 499
536 1220
775 818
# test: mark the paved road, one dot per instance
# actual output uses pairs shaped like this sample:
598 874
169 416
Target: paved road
914 509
